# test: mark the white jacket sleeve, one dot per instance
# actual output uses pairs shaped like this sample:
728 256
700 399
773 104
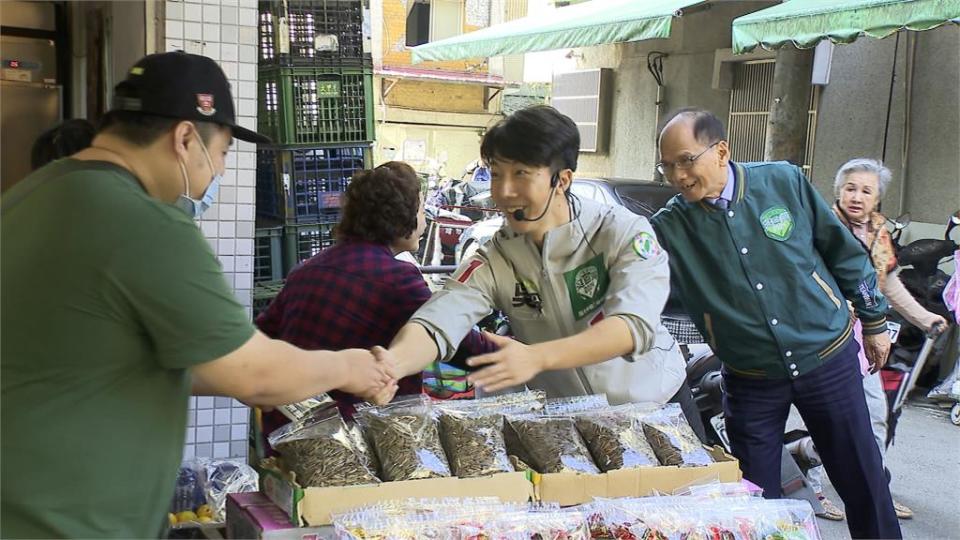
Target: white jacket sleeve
466 298
639 284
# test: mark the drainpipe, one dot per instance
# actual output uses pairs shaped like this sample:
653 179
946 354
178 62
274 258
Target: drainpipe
907 117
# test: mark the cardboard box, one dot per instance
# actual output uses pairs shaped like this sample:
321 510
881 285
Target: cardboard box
253 515
313 506
569 489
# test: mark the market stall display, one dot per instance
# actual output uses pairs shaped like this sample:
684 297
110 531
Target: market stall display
715 511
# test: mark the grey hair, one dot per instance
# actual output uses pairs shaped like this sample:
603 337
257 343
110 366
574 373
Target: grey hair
874 166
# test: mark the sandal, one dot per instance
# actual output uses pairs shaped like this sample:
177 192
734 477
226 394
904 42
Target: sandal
903 511
830 510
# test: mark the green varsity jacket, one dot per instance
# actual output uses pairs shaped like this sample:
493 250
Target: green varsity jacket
765 281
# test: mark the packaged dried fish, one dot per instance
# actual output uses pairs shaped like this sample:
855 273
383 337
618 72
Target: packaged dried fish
322 452
473 440
615 438
406 439
672 438
552 444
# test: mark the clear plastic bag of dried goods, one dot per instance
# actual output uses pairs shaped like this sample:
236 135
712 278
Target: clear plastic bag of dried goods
672 438
406 439
473 440
615 438
574 404
552 444
364 447
528 401
321 451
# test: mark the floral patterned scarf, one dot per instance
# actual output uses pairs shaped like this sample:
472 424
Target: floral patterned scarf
877 242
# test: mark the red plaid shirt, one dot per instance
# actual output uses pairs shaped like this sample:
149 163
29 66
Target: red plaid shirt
354 295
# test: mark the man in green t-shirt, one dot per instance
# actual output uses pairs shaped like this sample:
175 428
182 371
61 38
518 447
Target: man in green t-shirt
114 308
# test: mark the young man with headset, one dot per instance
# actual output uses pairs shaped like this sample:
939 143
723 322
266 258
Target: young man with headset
582 283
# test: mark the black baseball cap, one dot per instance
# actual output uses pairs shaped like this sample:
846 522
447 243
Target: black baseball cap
183 86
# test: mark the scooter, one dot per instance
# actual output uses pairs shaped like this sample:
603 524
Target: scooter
912 347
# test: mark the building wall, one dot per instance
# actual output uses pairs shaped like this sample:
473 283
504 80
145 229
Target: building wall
452 146
394 50
853 112
225 30
687 71
434 126
852 108
435 96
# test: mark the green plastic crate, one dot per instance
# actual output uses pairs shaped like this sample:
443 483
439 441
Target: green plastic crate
304 241
263 294
268 254
315 105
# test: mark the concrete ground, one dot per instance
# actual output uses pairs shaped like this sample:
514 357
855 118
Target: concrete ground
925 463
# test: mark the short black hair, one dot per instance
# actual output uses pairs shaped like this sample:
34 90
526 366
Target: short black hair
142 129
707 128
61 141
539 136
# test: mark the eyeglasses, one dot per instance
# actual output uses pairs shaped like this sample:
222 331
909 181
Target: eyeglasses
665 168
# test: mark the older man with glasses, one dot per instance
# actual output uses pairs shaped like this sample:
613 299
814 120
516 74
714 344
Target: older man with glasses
765 270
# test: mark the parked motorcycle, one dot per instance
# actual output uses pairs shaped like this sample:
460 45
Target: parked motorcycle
912 347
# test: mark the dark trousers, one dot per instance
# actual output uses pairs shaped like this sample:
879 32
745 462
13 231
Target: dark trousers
831 401
684 397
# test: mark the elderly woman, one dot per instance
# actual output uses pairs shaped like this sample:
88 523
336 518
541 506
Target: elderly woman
357 294
859 186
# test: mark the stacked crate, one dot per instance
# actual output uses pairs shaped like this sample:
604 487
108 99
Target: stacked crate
316 103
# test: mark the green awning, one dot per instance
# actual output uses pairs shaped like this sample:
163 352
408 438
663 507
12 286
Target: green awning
580 25
805 22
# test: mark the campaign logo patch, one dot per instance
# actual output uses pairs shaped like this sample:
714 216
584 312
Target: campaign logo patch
777 223
645 246
587 286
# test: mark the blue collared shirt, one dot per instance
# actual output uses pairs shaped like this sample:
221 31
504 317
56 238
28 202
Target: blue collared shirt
728 190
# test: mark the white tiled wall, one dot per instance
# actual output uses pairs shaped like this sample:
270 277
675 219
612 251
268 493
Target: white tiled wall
225 30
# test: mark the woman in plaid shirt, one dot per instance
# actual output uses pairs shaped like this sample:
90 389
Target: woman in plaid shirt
356 294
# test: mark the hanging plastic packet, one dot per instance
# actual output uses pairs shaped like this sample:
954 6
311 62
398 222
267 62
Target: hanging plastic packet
219 478
574 404
672 438
321 452
406 439
552 444
615 438
297 412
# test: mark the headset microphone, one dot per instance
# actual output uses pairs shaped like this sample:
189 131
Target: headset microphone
518 214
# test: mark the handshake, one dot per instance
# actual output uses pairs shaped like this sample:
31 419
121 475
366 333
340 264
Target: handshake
370 375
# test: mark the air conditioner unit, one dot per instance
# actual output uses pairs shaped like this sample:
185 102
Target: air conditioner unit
585 97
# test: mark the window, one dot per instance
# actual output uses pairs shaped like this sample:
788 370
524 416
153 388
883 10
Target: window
433 20
750 102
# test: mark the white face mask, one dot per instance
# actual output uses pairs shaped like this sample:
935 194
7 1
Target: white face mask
190 206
